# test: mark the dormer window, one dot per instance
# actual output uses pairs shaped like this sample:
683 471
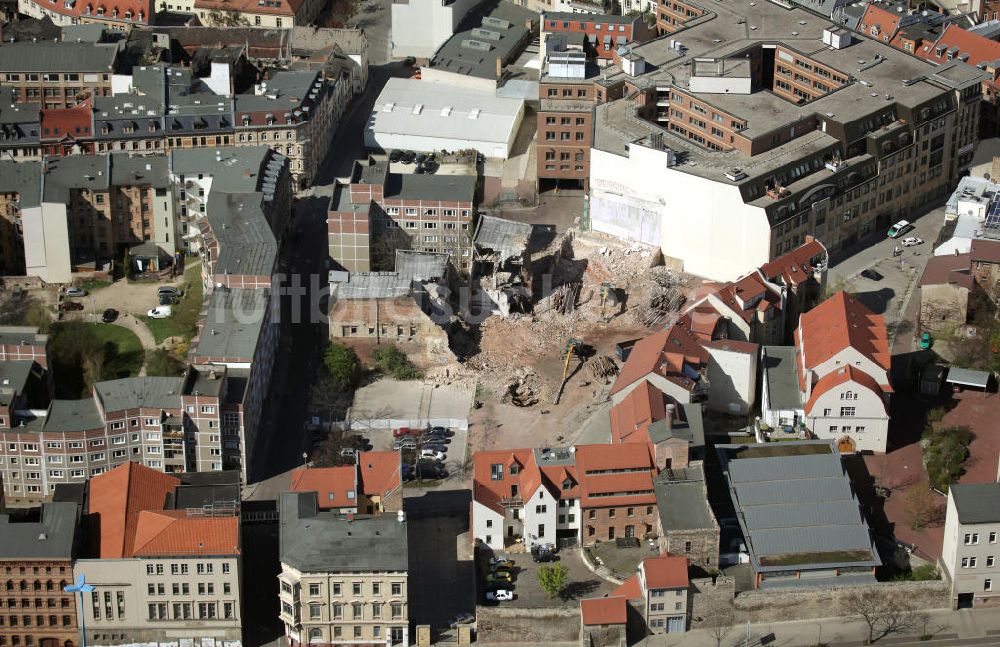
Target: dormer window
567 484
514 468
246 120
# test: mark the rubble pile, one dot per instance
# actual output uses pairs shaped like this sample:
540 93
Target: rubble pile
603 368
665 297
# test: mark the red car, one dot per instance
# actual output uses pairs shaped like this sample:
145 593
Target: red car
402 431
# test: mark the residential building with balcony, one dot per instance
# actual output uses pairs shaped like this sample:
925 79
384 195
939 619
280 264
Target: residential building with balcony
660 593
165 558
344 577
36 562
841 150
969 552
57 75
379 212
563 496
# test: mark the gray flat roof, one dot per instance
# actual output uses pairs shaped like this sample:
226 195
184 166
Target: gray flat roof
246 243
370 285
976 502
73 415
797 509
508 237
421 266
326 542
50 538
21 334
474 48
26 56
140 392
239 170
24 178
968 377
13 377
689 426
406 186
233 323
782 378
681 499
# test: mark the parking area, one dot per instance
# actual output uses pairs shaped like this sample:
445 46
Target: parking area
455 459
581 582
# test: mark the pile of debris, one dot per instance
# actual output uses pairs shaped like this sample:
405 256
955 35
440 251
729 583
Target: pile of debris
666 297
563 299
525 389
603 368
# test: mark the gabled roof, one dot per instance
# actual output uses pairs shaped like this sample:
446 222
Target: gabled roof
489 491
380 472
985 251
631 417
674 353
948 269
665 572
117 497
961 41
887 22
795 266
604 611
631 589
838 323
335 487
174 533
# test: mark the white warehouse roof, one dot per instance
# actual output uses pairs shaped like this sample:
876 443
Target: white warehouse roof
415 108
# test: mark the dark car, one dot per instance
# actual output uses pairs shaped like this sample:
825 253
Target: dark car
435 447
69 306
441 430
431 167
421 158
395 156
167 299
436 440
407 157
424 471
871 275
409 61
109 316
542 554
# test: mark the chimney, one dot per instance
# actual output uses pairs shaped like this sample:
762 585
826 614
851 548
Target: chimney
669 418
499 67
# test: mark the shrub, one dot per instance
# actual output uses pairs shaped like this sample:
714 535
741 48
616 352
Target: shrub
394 362
343 365
944 453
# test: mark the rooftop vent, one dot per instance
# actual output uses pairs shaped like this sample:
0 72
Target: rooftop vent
735 174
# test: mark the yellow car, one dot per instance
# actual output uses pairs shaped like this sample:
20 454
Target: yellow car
501 576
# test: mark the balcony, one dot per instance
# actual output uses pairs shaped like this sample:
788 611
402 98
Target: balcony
512 501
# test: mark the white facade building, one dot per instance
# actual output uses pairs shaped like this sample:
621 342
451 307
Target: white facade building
970 554
421 115
419 27
638 195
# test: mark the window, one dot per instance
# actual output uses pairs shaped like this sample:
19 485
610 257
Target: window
313 590
314 612
336 588
993 537
356 588
356 611
397 589
338 611
496 472
989 561
987 584
846 412
971 538
397 610
968 562
540 509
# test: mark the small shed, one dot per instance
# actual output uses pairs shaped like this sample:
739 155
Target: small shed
964 378
932 379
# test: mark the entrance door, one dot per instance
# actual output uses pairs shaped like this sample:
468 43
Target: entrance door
846 445
965 600
675 625
630 531
611 532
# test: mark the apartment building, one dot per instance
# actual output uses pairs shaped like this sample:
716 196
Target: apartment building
563 496
671 15
19 127
282 14
565 131
57 75
969 553
372 485
603 33
660 592
843 360
344 577
165 559
67 131
296 114
380 212
186 424
36 562
695 125
120 16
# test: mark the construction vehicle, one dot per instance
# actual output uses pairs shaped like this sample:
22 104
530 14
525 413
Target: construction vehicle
573 346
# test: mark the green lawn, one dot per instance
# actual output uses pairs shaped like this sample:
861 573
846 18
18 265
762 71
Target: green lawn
184 320
83 353
94 284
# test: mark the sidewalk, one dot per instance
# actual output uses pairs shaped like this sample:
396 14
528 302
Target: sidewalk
968 626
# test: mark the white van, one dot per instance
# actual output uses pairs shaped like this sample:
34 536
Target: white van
899 229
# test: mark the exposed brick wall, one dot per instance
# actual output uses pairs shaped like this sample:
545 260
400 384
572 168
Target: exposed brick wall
644 520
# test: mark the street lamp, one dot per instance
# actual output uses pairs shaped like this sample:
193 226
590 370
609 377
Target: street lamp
81 587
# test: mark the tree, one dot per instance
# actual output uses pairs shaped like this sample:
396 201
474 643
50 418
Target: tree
343 365
945 451
884 613
720 624
394 362
552 578
921 506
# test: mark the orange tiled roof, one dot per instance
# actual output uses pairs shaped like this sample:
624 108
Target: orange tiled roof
604 611
173 533
278 8
838 377
666 571
664 353
599 470
380 472
979 48
841 322
336 487
631 417
887 22
117 497
630 589
795 266
488 491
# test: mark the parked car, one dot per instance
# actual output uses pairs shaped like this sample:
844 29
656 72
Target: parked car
161 312
499 595
109 316
75 292
69 306
402 431
899 229
431 471
421 158
499 577
432 453
395 155
407 157
409 61
443 431
462 619
540 553
348 451
406 442
926 341
501 562
167 299
871 275
436 440
910 241
430 167
168 289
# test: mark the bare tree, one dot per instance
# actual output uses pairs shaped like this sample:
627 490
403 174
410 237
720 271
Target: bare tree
883 612
720 624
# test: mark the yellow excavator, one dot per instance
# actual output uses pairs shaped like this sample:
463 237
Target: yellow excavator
573 346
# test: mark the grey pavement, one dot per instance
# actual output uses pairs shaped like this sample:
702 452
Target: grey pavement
965 627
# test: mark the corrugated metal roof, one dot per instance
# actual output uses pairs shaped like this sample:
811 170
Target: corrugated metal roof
968 377
784 468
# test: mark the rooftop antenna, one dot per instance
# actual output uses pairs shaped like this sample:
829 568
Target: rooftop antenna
81 587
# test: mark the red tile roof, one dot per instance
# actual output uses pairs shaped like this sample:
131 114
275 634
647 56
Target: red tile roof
604 611
336 487
734 346
984 251
88 9
886 21
380 472
665 353
665 572
172 533
797 265
278 8
489 492
838 377
67 123
630 589
602 472
838 323
630 417
979 48
116 499
949 269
